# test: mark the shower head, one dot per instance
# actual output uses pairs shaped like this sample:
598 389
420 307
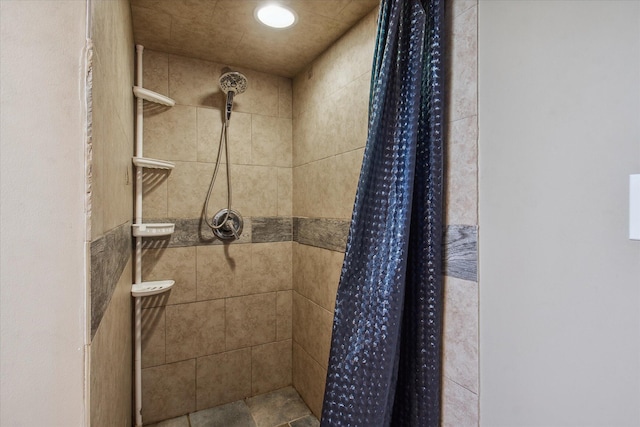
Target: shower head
233 81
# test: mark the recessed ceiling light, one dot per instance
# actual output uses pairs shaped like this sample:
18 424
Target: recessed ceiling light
275 16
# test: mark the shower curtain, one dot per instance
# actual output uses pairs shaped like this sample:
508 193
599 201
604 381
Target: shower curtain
385 360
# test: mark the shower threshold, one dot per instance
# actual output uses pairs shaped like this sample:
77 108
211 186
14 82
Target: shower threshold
280 408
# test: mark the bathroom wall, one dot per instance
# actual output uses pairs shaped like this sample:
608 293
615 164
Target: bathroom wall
110 134
224 331
43 220
559 136
329 132
460 357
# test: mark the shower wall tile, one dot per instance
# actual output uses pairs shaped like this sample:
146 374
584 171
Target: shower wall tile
460 6
270 366
309 134
196 329
327 188
271 229
462 171
111 359
348 58
110 128
255 190
219 270
326 233
250 320
177 264
285 97
227 297
459 407
461 329
317 273
155 71
270 267
463 73
171 134
312 327
153 336
155 201
187 189
195 82
223 378
261 96
209 127
284 315
168 390
271 141
285 192
309 379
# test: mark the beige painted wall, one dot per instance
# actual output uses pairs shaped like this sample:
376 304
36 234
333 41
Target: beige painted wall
111 204
43 255
223 333
560 281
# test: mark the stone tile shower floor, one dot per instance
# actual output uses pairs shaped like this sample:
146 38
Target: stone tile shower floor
280 408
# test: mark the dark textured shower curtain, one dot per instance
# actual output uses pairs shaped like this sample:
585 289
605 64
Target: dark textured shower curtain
385 361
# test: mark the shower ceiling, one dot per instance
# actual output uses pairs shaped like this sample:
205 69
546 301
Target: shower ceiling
225 31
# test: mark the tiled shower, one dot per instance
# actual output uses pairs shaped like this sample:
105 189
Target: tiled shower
255 315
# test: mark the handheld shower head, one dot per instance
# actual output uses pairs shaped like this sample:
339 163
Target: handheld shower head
233 81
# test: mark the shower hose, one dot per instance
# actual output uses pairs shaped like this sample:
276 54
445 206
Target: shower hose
224 143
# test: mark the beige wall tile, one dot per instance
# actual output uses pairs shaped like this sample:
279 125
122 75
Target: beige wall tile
154 193
463 73
284 315
223 378
219 270
168 390
462 172
270 141
308 379
310 141
271 267
270 367
255 190
153 336
312 327
349 115
285 192
327 188
459 405
209 128
111 359
187 190
461 333
177 264
261 96
195 82
195 329
171 134
250 320
155 71
460 6
316 273
285 97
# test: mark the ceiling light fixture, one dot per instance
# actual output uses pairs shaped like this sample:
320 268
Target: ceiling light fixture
275 16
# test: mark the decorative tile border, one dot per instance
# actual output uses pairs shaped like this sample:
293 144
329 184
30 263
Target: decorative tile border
109 255
461 252
460 241
326 233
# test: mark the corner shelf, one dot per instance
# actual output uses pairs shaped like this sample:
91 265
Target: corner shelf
146 162
146 289
149 95
152 230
